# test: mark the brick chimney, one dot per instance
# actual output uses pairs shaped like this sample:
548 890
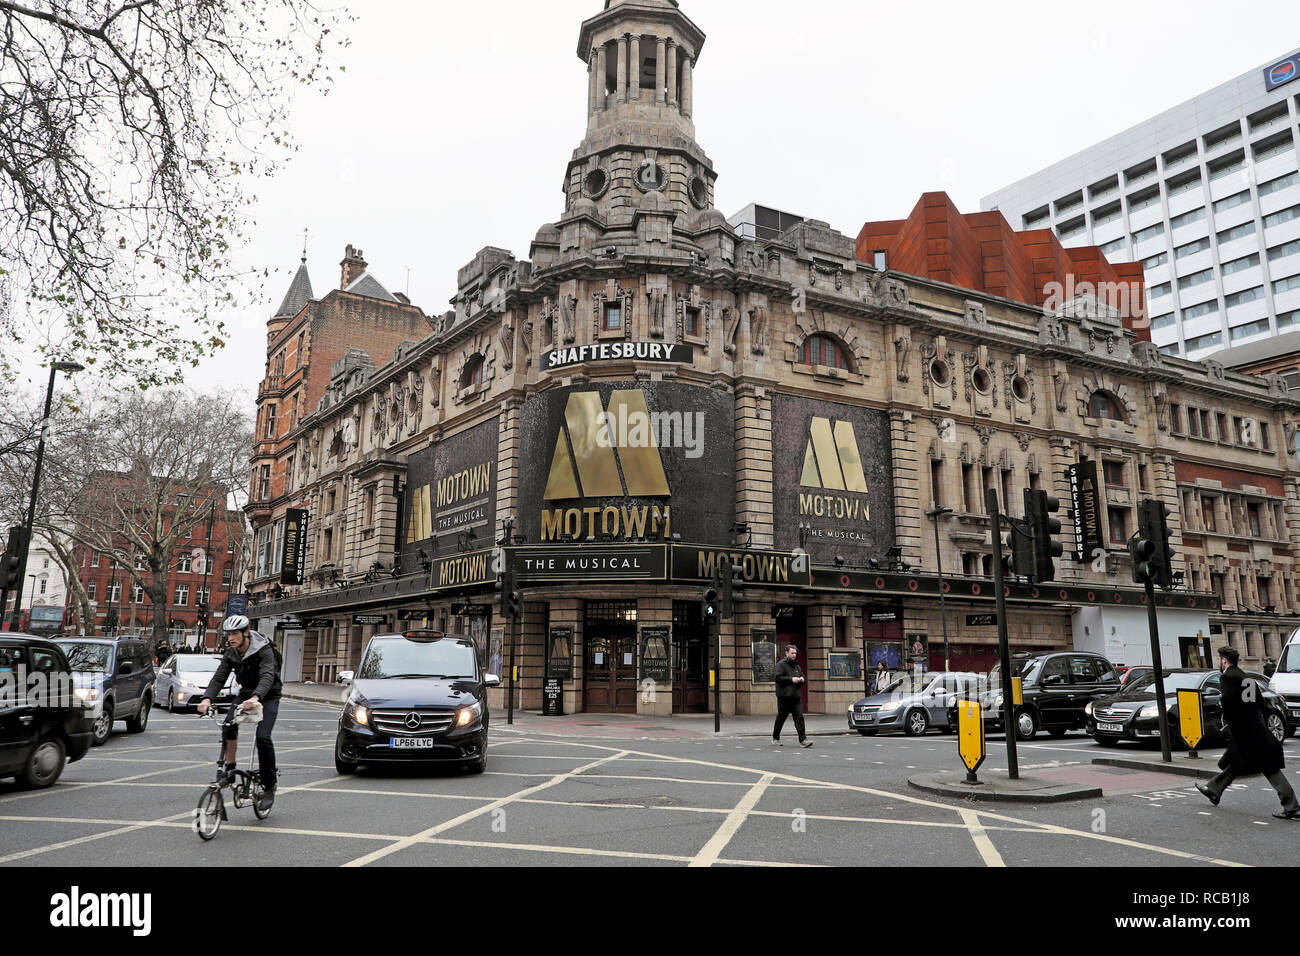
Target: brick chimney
353 267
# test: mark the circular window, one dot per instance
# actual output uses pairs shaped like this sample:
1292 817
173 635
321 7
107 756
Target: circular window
595 184
649 176
982 381
940 373
699 193
1020 388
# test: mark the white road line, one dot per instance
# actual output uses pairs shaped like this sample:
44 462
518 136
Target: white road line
581 851
718 842
985 846
470 815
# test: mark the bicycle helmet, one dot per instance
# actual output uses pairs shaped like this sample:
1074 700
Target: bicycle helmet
236 622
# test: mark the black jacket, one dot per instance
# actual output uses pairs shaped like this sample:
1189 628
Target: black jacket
786 672
256 674
1252 750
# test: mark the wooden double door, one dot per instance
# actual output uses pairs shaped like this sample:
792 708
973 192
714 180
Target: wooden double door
609 679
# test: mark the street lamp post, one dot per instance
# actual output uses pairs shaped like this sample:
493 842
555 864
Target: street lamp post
936 514
66 367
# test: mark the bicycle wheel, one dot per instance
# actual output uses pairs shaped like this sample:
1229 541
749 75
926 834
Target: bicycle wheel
207 815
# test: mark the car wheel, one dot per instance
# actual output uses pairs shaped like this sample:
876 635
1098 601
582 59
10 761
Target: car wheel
1276 725
917 723
103 725
867 733
171 702
343 767
44 764
1026 725
138 723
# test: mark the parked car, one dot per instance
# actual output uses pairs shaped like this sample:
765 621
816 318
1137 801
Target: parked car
1133 714
114 677
1285 681
1057 687
184 677
1130 674
913 703
419 697
43 724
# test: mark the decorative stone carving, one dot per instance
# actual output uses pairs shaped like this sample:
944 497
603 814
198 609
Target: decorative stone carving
435 387
976 314
1061 380
658 310
1160 400
506 342
1215 371
730 325
758 323
1023 438
568 319
903 354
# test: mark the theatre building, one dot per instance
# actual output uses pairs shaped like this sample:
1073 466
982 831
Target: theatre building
652 393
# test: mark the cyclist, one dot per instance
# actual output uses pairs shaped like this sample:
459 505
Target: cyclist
252 658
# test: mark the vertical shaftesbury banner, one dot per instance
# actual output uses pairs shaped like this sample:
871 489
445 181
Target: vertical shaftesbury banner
1086 497
832 468
293 560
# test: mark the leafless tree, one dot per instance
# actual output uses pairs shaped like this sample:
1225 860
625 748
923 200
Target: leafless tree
131 135
137 477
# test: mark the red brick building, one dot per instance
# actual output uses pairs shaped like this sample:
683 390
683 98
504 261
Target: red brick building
306 338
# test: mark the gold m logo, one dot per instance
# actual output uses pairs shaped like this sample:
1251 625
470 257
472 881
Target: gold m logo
597 455
832 461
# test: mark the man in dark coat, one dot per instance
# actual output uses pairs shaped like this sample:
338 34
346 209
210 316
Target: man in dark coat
789 696
1252 749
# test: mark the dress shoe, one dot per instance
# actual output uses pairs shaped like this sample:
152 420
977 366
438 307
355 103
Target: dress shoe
1208 793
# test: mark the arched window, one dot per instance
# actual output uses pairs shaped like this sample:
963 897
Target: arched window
1105 405
824 350
473 374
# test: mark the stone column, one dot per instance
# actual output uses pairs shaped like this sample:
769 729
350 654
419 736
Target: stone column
634 66
602 72
688 92
754 463
661 67
907 492
594 79
672 73
622 69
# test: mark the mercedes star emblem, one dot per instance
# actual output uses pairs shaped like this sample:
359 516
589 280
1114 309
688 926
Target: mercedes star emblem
412 721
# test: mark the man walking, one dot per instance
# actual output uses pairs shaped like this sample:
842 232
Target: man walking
1252 750
789 696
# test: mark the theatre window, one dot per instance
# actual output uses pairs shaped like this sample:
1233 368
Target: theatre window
472 377
824 351
1106 406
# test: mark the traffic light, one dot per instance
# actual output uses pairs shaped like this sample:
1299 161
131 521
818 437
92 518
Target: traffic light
712 606
1020 542
731 580
1039 508
12 561
1140 551
512 601
1153 528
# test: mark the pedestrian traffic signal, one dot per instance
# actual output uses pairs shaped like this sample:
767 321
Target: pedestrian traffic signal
1039 508
12 561
1153 527
712 606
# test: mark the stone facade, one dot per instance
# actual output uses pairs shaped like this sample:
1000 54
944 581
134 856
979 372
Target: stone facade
976 391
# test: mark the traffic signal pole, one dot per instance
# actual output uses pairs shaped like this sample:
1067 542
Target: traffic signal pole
1153 560
1004 644
1166 752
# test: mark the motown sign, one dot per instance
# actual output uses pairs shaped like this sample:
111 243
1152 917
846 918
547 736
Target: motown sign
451 494
627 462
835 475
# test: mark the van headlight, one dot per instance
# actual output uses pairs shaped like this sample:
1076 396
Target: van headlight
87 695
357 711
467 715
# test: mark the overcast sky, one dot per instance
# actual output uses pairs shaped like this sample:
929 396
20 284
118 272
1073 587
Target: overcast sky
452 125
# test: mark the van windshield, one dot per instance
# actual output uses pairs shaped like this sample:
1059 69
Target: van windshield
1290 663
87 658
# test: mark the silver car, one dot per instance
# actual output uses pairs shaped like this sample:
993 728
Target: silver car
183 679
913 703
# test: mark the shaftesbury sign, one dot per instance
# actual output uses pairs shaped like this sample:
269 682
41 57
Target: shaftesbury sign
618 351
293 559
1087 510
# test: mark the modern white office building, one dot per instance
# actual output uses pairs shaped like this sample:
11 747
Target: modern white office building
1206 195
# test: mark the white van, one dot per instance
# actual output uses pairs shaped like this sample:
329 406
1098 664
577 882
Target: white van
1286 680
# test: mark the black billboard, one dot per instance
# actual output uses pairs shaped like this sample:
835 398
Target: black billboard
832 469
1086 494
450 505
293 556
627 461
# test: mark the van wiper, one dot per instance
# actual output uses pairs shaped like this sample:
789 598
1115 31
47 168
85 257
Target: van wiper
415 677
